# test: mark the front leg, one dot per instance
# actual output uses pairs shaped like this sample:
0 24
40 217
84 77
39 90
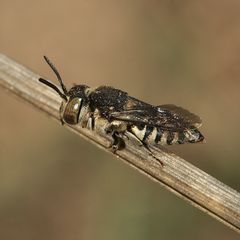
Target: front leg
60 113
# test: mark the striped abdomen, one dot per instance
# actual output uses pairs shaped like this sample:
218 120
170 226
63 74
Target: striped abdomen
154 135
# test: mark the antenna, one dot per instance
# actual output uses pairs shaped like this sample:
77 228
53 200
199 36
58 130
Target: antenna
53 87
57 74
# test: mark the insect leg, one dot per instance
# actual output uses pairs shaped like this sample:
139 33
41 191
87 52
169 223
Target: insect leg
60 113
146 146
116 129
116 126
118 142
90 123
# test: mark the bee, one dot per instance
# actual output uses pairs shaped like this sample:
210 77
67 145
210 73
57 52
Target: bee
122 114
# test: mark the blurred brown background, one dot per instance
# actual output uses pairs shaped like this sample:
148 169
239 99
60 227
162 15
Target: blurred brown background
54 185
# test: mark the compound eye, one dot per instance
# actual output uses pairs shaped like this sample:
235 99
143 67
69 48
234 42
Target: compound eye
72 111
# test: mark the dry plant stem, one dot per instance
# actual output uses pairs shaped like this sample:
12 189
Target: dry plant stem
190 183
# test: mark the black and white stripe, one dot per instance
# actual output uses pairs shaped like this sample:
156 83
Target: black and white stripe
154 135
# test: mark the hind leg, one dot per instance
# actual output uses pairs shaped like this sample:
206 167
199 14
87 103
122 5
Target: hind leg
146 146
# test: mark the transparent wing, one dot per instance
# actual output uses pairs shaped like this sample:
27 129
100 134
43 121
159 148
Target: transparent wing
189 117
166 117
